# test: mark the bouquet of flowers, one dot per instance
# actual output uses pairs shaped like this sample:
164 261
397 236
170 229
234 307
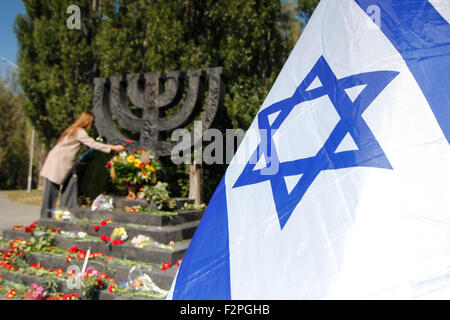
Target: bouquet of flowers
157 194
134 169
139 281
119 234
35 292
140 241
63 215
117 237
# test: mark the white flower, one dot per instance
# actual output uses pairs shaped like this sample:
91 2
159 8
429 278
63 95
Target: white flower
139 240
81 234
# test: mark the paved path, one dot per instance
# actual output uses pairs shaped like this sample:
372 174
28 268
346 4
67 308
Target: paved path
15 213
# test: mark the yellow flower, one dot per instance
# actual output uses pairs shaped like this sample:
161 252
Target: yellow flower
144 175
147 167
150 168
118 232
58 215
131 159
137 163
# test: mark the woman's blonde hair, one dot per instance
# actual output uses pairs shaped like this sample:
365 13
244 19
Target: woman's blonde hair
84 121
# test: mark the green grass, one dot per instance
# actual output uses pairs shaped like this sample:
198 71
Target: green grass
33 198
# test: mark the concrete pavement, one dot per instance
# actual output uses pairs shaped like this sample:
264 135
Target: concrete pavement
15 213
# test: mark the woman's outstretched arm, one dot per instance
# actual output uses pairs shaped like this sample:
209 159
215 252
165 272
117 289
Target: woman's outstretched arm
84 138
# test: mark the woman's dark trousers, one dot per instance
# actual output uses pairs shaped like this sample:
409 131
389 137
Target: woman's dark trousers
69 195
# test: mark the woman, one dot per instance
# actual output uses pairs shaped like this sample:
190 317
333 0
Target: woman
57 169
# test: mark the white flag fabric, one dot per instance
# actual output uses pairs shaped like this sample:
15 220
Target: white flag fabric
341 187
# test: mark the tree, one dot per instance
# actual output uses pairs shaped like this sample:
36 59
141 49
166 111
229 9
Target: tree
13 149
242 36
57 65
305 8
290 24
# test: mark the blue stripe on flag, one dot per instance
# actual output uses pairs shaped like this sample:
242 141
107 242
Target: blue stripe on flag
422 36
205 270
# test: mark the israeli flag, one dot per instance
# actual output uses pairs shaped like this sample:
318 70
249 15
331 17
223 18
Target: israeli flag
341 187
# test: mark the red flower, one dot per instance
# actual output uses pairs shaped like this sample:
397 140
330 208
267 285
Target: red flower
124 209
103 238
166 265
11 294
108 165
120 241
135 151
73 249
114 242
100 282
69 258
96 228
142 149
28 230
112 288
105 222
128 142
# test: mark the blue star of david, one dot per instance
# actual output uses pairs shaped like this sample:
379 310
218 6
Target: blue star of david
368 153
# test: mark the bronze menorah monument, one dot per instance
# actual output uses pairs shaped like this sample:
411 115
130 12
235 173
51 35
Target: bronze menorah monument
151 92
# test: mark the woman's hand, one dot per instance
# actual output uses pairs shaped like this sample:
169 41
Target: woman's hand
118 147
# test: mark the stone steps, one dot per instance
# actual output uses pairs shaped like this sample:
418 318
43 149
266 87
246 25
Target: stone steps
116 215
163 234
125 251
175 228
162 278
121 202
99 295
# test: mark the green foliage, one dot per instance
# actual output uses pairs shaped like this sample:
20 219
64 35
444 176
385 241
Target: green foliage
89 287
191 206
158 195
50 285
13 128
290 23
41 244
57 64
305 8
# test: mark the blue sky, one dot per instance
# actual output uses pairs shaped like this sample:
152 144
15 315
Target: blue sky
8 42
